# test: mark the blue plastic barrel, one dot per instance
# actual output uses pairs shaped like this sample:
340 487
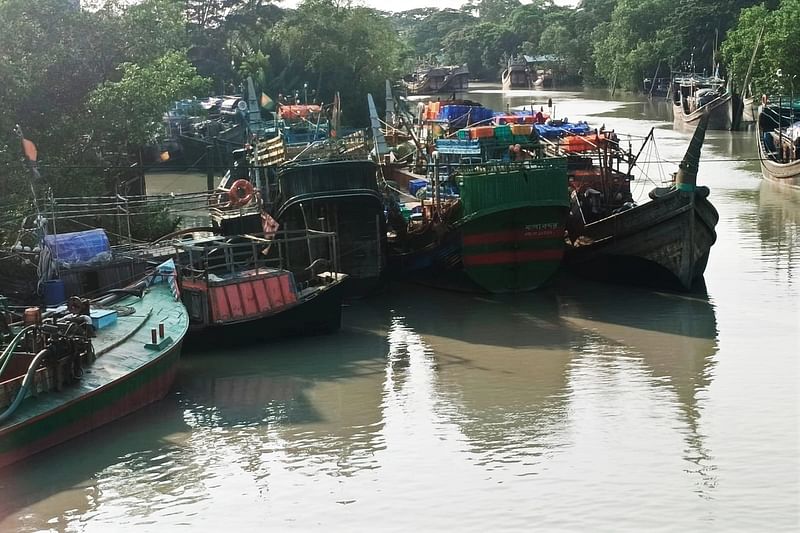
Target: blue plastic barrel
54 294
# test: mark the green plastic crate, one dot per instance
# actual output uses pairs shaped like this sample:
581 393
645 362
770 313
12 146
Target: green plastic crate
502 133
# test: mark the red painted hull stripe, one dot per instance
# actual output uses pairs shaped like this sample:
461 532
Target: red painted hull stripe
512 235
521 256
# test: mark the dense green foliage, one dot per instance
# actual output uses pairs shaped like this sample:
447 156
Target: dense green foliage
60 65
90 86
777 50
605 42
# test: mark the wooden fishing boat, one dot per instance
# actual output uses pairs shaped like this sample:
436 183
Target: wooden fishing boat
664 242
488 225
428 79
257 286
517 75
695 96
778 139
69 370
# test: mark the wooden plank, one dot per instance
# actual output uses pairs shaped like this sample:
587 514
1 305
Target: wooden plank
249 298
234 300
262 298
219 304
288 292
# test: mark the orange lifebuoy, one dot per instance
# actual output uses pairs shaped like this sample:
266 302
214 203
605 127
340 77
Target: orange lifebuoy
241 193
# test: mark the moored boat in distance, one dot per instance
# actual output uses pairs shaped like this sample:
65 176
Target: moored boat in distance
517 75
778 139
430 79
664 242
75 368
694 96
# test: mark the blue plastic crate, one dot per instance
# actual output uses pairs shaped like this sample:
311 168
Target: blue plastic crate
102 318
415 185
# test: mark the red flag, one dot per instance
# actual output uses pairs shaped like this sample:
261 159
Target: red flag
29 150
269 225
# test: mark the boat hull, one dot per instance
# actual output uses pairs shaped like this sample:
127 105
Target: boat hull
106 404
783 174
720 114
664 242
513 250
516 78
317 314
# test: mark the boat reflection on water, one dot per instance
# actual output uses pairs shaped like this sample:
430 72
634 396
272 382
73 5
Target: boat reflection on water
778 223
499 367
671 337
508 371
58 488
316 400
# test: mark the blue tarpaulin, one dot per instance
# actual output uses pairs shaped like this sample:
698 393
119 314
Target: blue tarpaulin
79 247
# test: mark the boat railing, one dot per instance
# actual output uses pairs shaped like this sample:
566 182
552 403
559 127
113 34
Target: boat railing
219 258
448 169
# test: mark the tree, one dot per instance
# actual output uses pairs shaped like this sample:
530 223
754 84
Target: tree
492 10
128 112
335 47
776 52
52 57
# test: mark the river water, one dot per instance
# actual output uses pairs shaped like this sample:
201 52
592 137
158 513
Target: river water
580 407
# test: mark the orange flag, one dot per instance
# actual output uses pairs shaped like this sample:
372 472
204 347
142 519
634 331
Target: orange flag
29 149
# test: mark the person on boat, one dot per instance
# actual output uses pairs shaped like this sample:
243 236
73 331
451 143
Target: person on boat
79 313
539 117
590 206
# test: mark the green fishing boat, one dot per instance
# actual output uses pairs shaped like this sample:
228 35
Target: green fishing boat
512 223
68 370
494 226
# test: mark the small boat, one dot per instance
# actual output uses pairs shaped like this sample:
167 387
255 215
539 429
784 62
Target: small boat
778 138
485 224
544 79
430 79
229 122
71 369
517 75
256 286
664 242
695 96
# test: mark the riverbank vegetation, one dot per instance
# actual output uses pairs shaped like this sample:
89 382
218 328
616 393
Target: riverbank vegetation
90 85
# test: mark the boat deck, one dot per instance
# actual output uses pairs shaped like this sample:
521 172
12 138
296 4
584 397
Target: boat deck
120 349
